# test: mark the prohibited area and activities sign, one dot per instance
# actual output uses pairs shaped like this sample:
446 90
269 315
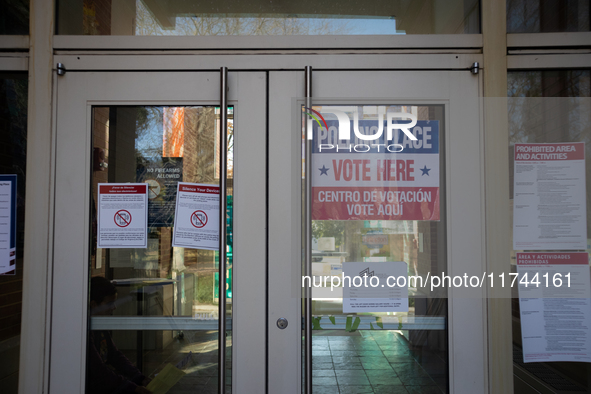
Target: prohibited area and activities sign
196 219
122 215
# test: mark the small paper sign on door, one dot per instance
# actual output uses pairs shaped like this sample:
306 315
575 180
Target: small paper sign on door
373 287
196 219
8 224
122 215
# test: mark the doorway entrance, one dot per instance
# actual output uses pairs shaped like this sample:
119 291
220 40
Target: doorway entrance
156 122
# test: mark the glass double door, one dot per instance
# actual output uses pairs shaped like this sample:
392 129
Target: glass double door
135 290
381 207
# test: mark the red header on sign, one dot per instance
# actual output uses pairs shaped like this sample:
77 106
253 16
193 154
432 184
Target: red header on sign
545 152
199 189
123 189
552 259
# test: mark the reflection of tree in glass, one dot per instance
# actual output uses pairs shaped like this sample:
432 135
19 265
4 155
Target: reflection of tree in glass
329 228
347 234
234 24
544 16
14 18
523 16
531 117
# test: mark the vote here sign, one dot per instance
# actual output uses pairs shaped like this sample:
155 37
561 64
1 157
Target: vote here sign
376 180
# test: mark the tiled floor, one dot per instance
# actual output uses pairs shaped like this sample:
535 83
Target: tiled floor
374 362
343 363
202 369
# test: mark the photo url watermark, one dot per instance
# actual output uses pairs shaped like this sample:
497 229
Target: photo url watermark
433 282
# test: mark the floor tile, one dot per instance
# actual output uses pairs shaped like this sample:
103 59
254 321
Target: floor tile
323 373
376 365
432 369
440 381
363 339
348 359
322 366
347 366
371 353
386 389
324 381
321 359
342 347
380 372
352 381
423 390
409 369
405 359
368 344
317 353
377 359
384 380
350 373
416 381
392 346
325 390
343 353
355 389
396 352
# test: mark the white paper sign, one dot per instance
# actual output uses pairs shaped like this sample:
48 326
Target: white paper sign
549 205
555 308
7 224
122 215
373 287
196 218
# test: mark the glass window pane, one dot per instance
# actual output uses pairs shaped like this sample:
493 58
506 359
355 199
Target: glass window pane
156 307
14 18
550 106
257 17
379 222
13 159
547 16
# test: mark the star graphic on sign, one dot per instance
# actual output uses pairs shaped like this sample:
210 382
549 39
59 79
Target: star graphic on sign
324 170
425 171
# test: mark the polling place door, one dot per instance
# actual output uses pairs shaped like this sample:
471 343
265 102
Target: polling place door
144 126
119 131
377 208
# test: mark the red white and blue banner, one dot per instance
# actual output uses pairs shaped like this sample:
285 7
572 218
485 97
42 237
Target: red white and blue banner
376 180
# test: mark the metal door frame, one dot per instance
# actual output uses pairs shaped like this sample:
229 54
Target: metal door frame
77 93
290 69
467 342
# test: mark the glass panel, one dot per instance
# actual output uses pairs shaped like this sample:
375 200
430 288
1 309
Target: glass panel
256 17
13 160
547 16
377 213
157 307
549 107
14 18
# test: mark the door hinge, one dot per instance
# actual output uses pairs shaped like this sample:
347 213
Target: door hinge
474 68
61 69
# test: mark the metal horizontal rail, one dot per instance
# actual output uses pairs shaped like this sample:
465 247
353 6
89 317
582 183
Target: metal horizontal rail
350 323
147 323
324 322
